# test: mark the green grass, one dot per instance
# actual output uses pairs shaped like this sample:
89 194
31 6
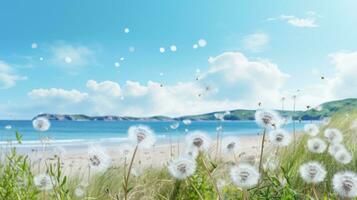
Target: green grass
16 176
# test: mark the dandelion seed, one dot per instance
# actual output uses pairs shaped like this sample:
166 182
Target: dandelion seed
116 64
230 145
142 136
345 184
173 48
333 135
43 182
199 140
202 42
68 60
98 159
126 30
343 156
182 168
162 50
210 59
280 138
41 124
334 148
312 172
34 45
8 127
79 191
122 59
186 122
41 58
316 145
244 175
174 125
195 46
268 119
311 129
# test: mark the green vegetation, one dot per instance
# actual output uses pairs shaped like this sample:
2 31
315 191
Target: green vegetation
16 178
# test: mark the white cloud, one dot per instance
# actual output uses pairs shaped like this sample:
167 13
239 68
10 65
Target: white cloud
71 56
108 88
58 94
302 22
233 81
8 77
256 42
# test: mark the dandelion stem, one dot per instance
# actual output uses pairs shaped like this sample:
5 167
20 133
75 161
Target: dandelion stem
262 150
126 179
211 177
314 191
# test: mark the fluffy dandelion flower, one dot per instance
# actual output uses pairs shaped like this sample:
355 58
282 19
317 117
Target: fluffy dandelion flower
182 168
199 140
343 156
79 191
244 175
98 159
333 135
268 119
334 148
142 135
316 145
312 172
230 145
41 124
311 129
43 182
279 137
345 184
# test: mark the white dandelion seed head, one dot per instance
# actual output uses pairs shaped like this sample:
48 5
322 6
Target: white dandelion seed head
79 191
181 168
195 46
41 124
199 140
173 48
244 175
186 122
202 42
312 172
311 129
162 50
333 135
142 135
126 30
175 125
34 45
43 182
98 159
230 145
280 138
334 148
316 145
271 164
345 184
343 156
268 119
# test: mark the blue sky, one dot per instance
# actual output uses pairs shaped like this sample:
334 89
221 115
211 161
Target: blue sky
269 50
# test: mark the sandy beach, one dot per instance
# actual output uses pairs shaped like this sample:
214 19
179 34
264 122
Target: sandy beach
75 160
